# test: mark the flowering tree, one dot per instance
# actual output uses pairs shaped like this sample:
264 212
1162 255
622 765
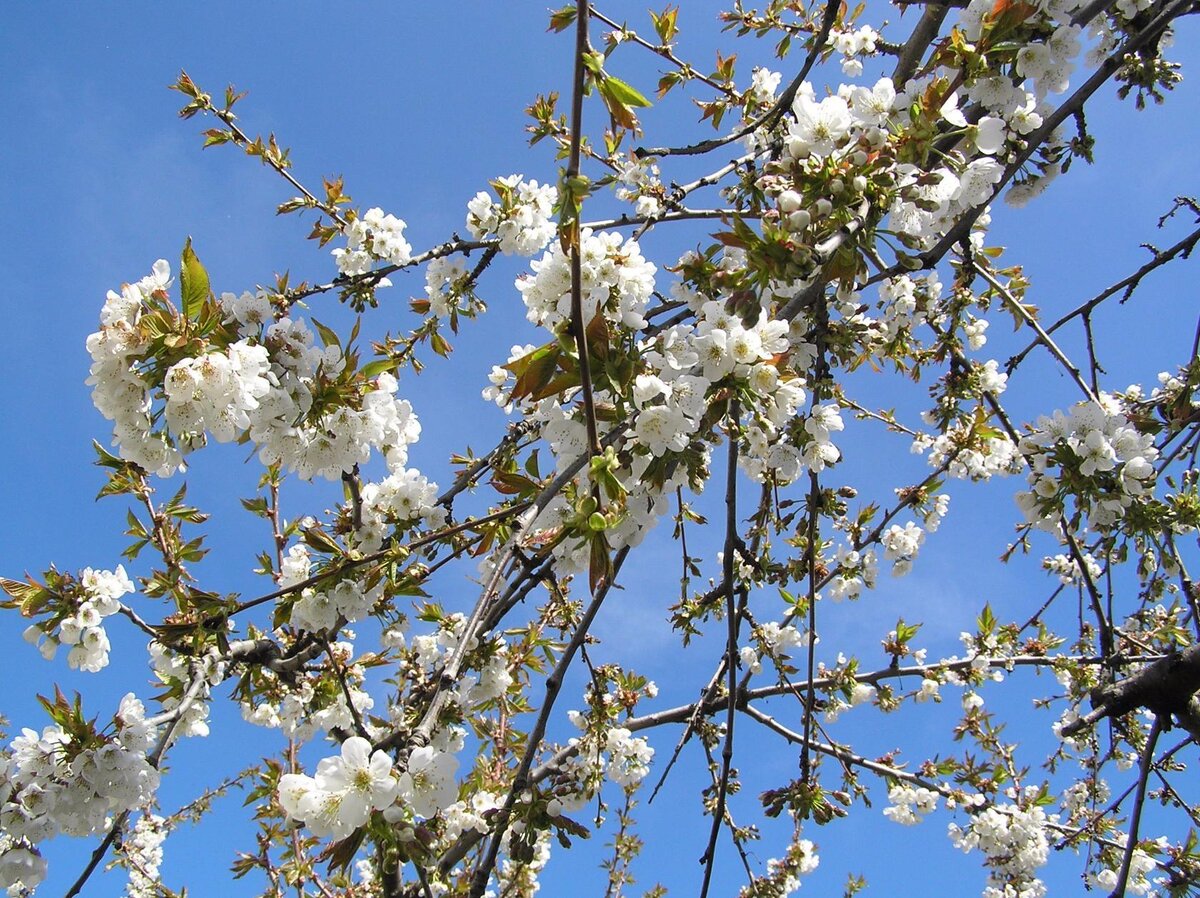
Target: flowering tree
844 246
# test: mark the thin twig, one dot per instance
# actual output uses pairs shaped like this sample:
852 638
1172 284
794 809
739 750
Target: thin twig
1139 802
533 743
572 235
778 108
708 859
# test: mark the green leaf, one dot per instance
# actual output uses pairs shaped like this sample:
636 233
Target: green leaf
377 367
29 597
665 23
328 337
193 282
562 19
624 93
321 541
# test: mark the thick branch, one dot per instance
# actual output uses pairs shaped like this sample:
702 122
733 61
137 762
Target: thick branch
1166 687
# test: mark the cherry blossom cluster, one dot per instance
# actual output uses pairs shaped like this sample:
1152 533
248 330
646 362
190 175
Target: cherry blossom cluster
1138 882
971 452
143 855
446 280
79 624
613 753
1013 839
854 43
263 384
21 869
180 674
302 706
638 183
775 641
216 392
118 390
910 804
346 788
783 874
855 572
522 220
69 779
402 499
901 545
373 237
1089 460
339 438
616 281
1067 568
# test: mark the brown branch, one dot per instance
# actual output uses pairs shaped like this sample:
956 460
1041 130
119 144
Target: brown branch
533 742
708 859
925 31
778 108
1182 249
1167 687
1138 803
578 325
1068 108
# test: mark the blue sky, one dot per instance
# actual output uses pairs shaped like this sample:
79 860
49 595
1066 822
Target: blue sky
418 106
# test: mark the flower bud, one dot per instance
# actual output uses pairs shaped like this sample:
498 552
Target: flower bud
799 220
790 201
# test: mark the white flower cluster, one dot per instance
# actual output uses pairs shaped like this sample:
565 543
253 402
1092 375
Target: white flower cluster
855 571
216 392
321 610
688 360
118 390
1137 883
175 670
489 682
469 815
908 302
970 455
1014 843
783 874
860 694
615 281
638 183
21 869
1095 445
1067 569
263 384
83 630
763 84
853 43
523 218
403 498
445 280
370 237
775 641
342 437
909 804
629 757
901 545
143 856
52 784
347 787
627 763
300 711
